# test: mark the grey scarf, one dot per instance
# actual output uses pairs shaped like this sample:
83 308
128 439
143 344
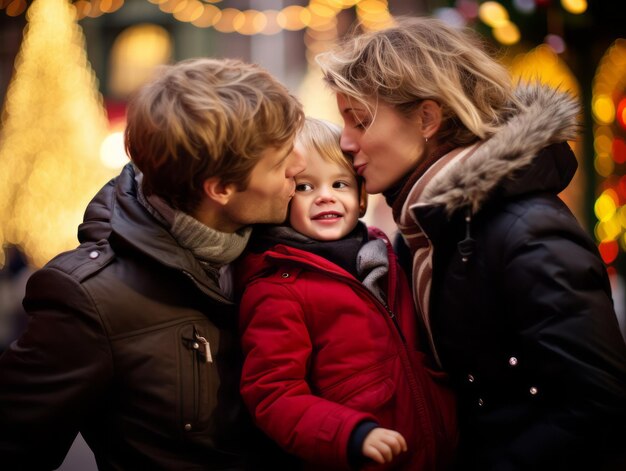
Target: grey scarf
213 249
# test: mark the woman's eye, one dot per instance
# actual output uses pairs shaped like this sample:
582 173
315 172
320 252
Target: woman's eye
361 124
303 187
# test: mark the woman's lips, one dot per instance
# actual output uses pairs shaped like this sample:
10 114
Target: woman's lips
359 169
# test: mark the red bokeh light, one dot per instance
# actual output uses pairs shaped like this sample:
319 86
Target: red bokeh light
621 113
621 188
608 251
619 150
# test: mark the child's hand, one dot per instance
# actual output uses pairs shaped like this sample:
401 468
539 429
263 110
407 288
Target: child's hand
383 445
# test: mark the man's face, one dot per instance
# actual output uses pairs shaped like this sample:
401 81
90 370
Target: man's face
269 191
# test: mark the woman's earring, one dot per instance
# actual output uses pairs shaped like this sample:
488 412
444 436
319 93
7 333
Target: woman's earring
426 139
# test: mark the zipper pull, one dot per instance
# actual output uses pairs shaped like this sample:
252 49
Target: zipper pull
208 358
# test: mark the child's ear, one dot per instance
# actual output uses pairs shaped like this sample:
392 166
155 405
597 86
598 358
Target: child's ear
217 191
362 198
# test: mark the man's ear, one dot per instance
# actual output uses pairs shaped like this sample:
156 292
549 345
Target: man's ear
217 191
429 112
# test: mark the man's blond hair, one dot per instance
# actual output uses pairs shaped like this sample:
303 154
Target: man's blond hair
424 58
203 118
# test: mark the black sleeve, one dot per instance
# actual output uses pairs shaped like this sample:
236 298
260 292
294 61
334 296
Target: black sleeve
355 443
52 376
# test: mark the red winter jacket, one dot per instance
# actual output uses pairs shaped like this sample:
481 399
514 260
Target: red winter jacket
322 354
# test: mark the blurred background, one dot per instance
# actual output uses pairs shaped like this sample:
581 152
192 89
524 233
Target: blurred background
68 68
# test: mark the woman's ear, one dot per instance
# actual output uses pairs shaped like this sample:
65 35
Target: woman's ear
429 112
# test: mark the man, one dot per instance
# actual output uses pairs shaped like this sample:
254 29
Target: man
132 336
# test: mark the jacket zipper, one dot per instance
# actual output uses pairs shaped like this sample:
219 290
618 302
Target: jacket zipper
203 345
394 319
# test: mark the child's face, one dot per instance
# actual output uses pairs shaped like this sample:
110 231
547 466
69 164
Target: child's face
326 203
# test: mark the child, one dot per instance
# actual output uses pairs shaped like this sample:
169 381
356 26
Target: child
332 370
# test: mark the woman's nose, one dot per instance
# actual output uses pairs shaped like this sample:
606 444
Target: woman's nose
347 143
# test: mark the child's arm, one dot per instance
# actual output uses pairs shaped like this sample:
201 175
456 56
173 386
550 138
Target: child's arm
277 348
383 445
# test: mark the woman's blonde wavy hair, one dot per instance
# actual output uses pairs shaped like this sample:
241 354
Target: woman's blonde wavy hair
203 118
424 58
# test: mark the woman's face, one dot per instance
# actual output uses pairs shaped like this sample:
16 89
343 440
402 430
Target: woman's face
385 147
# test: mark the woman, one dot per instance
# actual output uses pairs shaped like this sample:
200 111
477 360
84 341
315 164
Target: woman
510 289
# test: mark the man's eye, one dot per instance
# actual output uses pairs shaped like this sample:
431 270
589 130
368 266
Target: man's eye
303 187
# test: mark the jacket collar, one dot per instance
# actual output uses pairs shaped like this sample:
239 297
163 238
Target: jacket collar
529 153
116 214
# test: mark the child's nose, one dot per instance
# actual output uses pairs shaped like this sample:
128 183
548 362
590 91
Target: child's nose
325 195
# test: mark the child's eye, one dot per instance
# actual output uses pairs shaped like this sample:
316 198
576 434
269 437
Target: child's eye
340 184
303 187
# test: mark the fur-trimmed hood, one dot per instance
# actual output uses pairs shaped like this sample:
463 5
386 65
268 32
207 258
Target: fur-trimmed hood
527 154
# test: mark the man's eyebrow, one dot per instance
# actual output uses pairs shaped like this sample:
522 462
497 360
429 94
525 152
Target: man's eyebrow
285 156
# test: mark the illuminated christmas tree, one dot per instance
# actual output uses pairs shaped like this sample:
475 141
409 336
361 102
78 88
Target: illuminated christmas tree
52 125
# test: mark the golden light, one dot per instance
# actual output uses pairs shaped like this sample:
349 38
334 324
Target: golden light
294 17
322 23
322 10
607 230
605 207
112 152
210 15
493 14
192 11
575 7
226 23
374 14
507 33
604 165
135 54
250 22
621 216
95 11
603 143
603 109
53 124
543 64
82 8
111 5
168 6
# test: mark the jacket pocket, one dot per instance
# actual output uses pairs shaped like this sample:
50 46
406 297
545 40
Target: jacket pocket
198 380
370 390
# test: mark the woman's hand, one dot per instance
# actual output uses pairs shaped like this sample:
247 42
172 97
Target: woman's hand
383 445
